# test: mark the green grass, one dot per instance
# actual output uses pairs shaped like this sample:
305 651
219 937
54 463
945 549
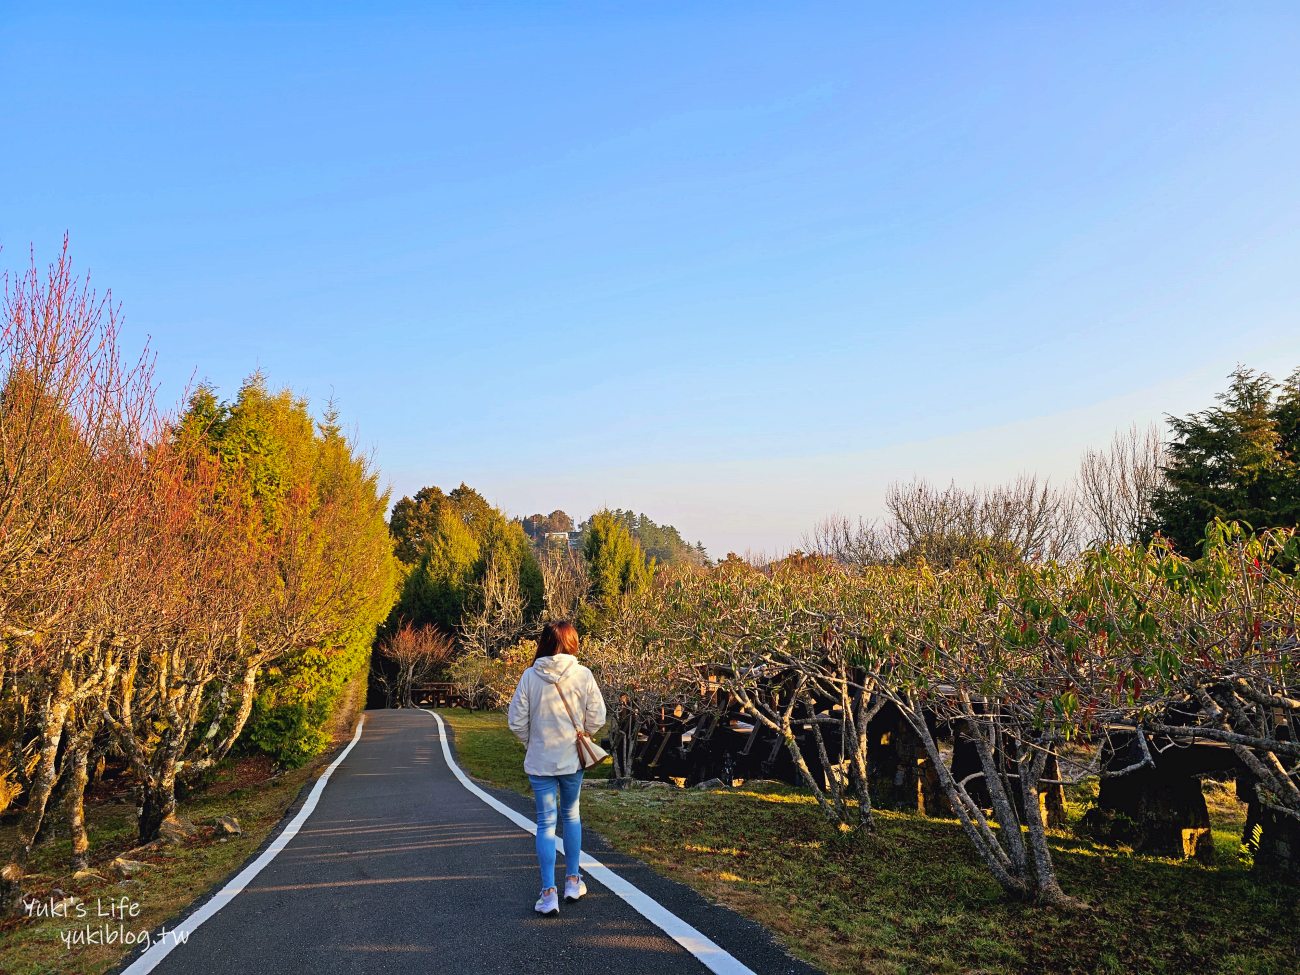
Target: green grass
174 875
914 898
488 750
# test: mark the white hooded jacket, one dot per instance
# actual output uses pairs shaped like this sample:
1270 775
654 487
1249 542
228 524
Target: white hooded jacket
538 719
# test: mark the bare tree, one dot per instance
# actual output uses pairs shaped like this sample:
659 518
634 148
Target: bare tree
417 654
1025 519
1117 483
852 544
1039 520
498 621
565 581
186 644
74 417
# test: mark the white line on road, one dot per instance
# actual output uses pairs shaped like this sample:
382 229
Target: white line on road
162 947
713 957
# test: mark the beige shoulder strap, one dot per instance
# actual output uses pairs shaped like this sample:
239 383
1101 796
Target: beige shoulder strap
565 701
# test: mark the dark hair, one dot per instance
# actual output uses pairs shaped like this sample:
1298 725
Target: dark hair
559 637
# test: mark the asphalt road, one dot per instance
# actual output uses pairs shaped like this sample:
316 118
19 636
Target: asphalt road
401 869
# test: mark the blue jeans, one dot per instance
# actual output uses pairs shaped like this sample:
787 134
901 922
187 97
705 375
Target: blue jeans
545 789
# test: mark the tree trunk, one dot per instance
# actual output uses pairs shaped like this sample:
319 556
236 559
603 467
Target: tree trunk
968 813
78 773
992 761
158 802
857 717
43 780
622 742
157 806
408 678
1046 888
205 756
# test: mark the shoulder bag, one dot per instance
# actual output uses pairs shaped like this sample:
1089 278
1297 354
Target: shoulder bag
589 753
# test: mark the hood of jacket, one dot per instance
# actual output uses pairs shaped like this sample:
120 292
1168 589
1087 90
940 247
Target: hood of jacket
551 669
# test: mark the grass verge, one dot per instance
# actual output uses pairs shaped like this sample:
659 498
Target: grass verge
172 878
912 897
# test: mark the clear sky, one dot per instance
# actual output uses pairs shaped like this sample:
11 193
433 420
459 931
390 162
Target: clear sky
735 265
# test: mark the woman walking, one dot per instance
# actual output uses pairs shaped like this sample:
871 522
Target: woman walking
540 719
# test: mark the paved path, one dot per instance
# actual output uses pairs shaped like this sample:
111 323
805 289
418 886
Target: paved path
401 869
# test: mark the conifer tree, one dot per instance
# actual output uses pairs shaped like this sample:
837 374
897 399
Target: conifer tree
1238 461
616 564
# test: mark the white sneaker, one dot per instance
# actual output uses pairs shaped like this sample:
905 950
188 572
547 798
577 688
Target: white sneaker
574 890
548 903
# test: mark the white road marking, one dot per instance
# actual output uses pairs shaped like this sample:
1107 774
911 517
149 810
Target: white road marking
713 957
160 949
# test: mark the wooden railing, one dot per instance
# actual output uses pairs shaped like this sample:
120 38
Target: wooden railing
440 694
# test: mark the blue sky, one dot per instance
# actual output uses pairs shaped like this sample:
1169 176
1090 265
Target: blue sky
735 265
